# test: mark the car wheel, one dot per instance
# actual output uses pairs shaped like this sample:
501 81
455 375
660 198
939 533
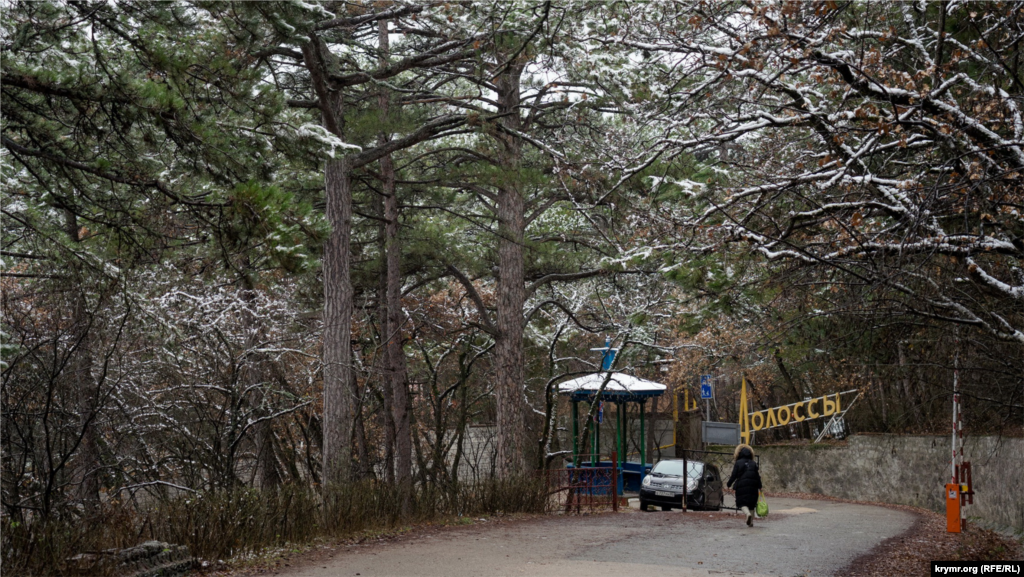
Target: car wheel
718 502
699 501
644 506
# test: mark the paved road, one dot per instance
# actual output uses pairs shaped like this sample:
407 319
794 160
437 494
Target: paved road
800 537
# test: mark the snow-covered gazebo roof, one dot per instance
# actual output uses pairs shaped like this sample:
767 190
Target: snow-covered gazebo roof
621 387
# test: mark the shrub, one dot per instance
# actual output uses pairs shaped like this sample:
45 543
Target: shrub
229 523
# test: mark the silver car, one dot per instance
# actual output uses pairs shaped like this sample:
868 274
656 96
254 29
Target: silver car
667 483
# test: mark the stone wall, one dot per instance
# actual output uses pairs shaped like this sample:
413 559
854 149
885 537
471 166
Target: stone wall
906 470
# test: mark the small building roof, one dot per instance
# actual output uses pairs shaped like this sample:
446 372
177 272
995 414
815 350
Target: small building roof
621 387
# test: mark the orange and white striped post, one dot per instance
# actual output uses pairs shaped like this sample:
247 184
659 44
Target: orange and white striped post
959 490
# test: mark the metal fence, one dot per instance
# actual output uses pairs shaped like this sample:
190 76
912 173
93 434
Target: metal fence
583 489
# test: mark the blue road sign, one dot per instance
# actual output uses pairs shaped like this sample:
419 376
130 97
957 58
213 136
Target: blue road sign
705 386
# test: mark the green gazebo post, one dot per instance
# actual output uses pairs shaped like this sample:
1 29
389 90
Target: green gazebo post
619 436
575 429
643 429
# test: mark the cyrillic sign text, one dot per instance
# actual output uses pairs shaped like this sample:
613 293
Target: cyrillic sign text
794 413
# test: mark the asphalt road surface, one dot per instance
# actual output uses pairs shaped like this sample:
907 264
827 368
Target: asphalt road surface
800 537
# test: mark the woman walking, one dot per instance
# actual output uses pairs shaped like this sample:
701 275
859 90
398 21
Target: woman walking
748 481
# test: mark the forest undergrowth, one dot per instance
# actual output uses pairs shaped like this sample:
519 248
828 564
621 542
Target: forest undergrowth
234 525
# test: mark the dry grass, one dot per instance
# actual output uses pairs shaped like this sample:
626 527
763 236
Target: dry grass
927 541
246 523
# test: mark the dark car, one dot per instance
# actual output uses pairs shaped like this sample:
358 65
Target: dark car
664 486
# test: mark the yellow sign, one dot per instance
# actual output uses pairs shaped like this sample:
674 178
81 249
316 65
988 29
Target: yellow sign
744 407
794 413
787 414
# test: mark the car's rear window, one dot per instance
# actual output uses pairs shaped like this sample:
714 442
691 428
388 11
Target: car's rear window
675 468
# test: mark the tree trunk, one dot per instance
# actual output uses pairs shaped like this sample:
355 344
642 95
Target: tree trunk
337 351
549 428
268 469
910 399
362 468
460 430
397 375
253 371
337 279
510 375
384 361
397 372
798 395
85 472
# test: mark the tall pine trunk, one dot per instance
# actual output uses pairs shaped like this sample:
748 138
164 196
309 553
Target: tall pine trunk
337 353
397 379
397 373
337 279
510 374
384 363
86 465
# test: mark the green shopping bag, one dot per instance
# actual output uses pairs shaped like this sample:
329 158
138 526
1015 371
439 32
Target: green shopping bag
762 505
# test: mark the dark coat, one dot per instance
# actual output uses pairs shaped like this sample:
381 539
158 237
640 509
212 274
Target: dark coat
747 479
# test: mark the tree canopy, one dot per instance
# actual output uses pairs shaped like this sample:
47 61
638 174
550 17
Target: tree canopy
252 244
